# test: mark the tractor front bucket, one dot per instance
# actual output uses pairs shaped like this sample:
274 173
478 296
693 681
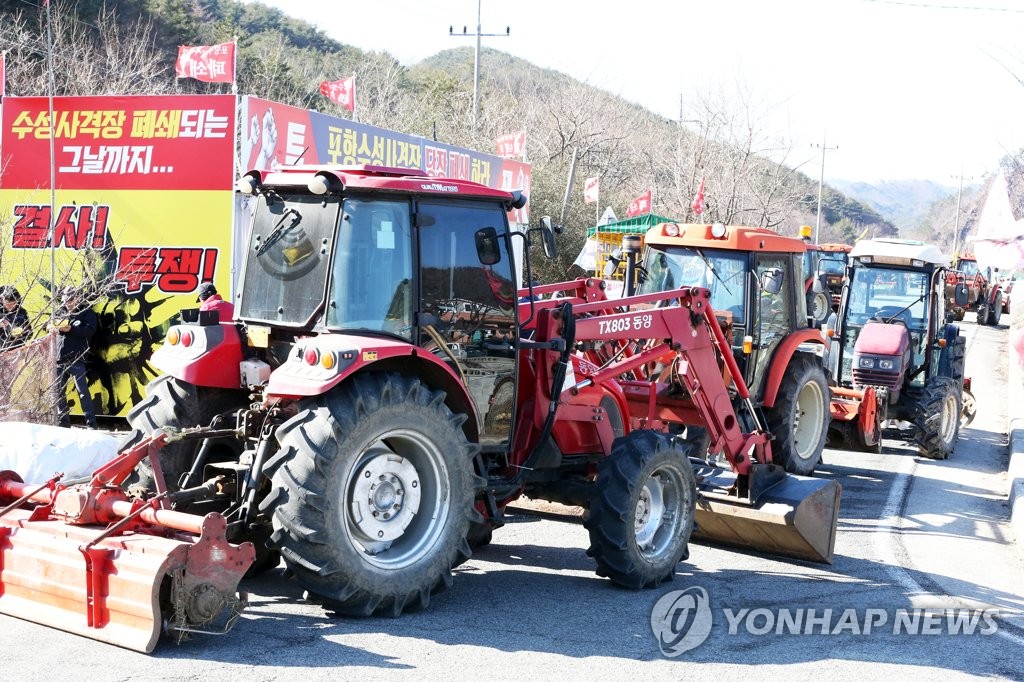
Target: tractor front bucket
123 584
781 514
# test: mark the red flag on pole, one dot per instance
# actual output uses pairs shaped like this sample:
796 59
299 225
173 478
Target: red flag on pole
590 190
342 93
698 200
208 63
512 145
640 205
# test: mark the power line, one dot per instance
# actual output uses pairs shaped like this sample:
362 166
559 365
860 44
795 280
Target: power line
924 5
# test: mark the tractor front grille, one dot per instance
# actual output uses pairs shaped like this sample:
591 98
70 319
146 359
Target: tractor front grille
875 377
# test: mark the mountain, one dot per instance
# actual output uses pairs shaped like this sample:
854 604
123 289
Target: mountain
906 203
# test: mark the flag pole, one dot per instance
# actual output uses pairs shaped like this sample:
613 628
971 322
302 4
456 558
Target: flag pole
234 69
355 115
53 162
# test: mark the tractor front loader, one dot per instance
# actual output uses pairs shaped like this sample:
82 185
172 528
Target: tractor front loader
385 392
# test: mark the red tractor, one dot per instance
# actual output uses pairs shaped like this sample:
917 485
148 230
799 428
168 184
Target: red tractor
378 401
893 353
754 276
983 288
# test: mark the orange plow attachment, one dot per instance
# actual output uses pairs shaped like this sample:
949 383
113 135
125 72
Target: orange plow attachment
87 560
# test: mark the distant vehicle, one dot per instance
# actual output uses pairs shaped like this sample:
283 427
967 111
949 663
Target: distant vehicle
986 292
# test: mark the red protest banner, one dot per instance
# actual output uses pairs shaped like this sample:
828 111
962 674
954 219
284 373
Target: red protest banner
342 93
698 200
208 63
133 142
512 145
640 205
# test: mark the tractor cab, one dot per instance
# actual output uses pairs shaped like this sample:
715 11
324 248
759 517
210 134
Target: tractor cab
894 309
390 258
754 276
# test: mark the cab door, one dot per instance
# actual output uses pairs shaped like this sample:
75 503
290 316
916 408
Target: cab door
468 305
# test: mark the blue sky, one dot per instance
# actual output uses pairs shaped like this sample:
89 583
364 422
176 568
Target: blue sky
917 89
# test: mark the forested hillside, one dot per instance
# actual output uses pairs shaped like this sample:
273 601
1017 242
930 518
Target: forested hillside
129 47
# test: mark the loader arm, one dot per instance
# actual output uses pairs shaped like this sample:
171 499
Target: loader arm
757 505
687 328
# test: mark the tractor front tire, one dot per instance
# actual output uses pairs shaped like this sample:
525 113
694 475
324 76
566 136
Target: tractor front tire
937 418
800 417
373 495
642 510
172 403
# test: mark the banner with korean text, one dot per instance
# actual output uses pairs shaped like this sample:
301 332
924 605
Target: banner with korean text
277 134
143 197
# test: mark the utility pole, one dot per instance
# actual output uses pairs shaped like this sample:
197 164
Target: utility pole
956 220
476 59
821 181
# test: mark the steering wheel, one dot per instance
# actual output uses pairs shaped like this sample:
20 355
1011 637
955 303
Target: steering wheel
890 311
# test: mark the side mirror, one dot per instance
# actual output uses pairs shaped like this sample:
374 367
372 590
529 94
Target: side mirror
487 250
771 280
547 235
817 286
960 295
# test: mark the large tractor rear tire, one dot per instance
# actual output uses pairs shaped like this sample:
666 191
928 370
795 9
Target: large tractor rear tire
983 313
373 495
937 418
172 403
642 510
996 312
800 417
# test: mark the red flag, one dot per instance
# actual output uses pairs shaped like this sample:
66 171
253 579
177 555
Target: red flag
342 93
640 205
209 63
698 200
590 190
512 145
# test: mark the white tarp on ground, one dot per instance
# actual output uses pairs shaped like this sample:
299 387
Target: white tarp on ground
36 452
1000 240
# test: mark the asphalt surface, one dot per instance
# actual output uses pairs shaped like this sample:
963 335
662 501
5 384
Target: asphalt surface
913 534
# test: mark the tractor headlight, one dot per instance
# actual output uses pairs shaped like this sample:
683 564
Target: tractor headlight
866 363
885 364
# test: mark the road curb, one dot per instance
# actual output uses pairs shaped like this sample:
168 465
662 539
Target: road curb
1015 399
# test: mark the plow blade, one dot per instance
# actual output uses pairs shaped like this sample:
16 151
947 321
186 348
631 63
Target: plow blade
124 589
796 516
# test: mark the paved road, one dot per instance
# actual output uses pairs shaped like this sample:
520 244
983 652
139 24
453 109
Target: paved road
914 534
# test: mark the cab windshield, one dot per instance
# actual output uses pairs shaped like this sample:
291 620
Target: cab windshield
289 257
886 293
720 271
832 264
969 267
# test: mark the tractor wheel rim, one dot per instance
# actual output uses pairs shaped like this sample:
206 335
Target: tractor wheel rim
661 512
949 419
398 499
808 420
